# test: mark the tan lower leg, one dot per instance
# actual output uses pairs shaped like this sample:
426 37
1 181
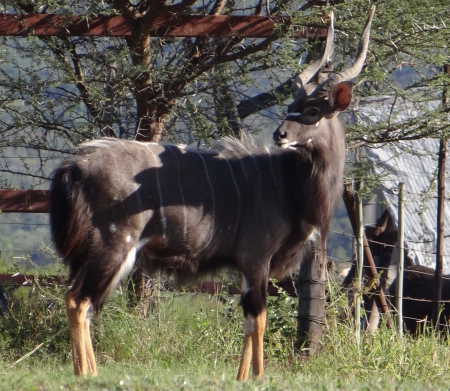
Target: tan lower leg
92 365
257 343
76 313
246 358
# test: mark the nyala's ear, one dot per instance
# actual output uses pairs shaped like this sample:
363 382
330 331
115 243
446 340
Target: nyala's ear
340 96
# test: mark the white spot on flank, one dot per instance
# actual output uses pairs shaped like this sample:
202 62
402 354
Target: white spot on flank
128 239
309 140
317 124
112 228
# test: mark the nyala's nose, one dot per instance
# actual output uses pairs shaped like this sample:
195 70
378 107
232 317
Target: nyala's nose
279 134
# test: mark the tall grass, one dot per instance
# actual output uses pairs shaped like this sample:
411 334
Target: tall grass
188 336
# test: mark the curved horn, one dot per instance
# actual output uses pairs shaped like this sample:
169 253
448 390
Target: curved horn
356 68
304 77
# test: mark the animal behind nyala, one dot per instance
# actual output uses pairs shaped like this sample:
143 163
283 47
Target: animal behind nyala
189 211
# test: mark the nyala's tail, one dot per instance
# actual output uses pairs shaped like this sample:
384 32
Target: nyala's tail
70 217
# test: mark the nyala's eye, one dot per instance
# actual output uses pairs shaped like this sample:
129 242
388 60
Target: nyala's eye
313 111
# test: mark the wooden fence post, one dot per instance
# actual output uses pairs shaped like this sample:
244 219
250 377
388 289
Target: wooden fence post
359 261
440 233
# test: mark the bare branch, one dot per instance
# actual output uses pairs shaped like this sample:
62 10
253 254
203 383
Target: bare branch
319 3
179 7
263 101
258 8
218 7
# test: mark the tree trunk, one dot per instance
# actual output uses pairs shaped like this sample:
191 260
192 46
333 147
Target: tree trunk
151 120
311 309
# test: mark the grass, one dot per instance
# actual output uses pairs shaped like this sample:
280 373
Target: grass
194 341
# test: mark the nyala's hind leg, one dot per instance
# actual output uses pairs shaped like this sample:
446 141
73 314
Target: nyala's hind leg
257 344
246 358
254 304
78 313
254 327
92 365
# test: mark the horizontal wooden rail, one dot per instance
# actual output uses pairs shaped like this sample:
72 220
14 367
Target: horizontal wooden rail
199 287
24 201
43 25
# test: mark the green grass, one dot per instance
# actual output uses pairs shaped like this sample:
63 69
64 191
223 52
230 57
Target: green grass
192 342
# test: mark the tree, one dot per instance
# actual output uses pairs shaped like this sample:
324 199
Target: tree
126 87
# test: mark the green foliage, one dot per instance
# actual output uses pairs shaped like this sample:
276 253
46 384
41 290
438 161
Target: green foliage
281 324
406 56
36 318
23 235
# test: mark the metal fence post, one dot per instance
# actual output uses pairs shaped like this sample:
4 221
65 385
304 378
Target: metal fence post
401 260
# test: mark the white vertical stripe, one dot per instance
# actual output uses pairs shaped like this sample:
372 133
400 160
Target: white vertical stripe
274 177
158 185
238 195
259 173
246 177
213 200
125 269
180 187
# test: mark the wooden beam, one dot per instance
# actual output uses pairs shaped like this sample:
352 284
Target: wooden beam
168 26
23 201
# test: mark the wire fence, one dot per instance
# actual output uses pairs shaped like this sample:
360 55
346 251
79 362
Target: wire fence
16 255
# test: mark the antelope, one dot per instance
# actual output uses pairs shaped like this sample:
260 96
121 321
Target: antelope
418 294
190 211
